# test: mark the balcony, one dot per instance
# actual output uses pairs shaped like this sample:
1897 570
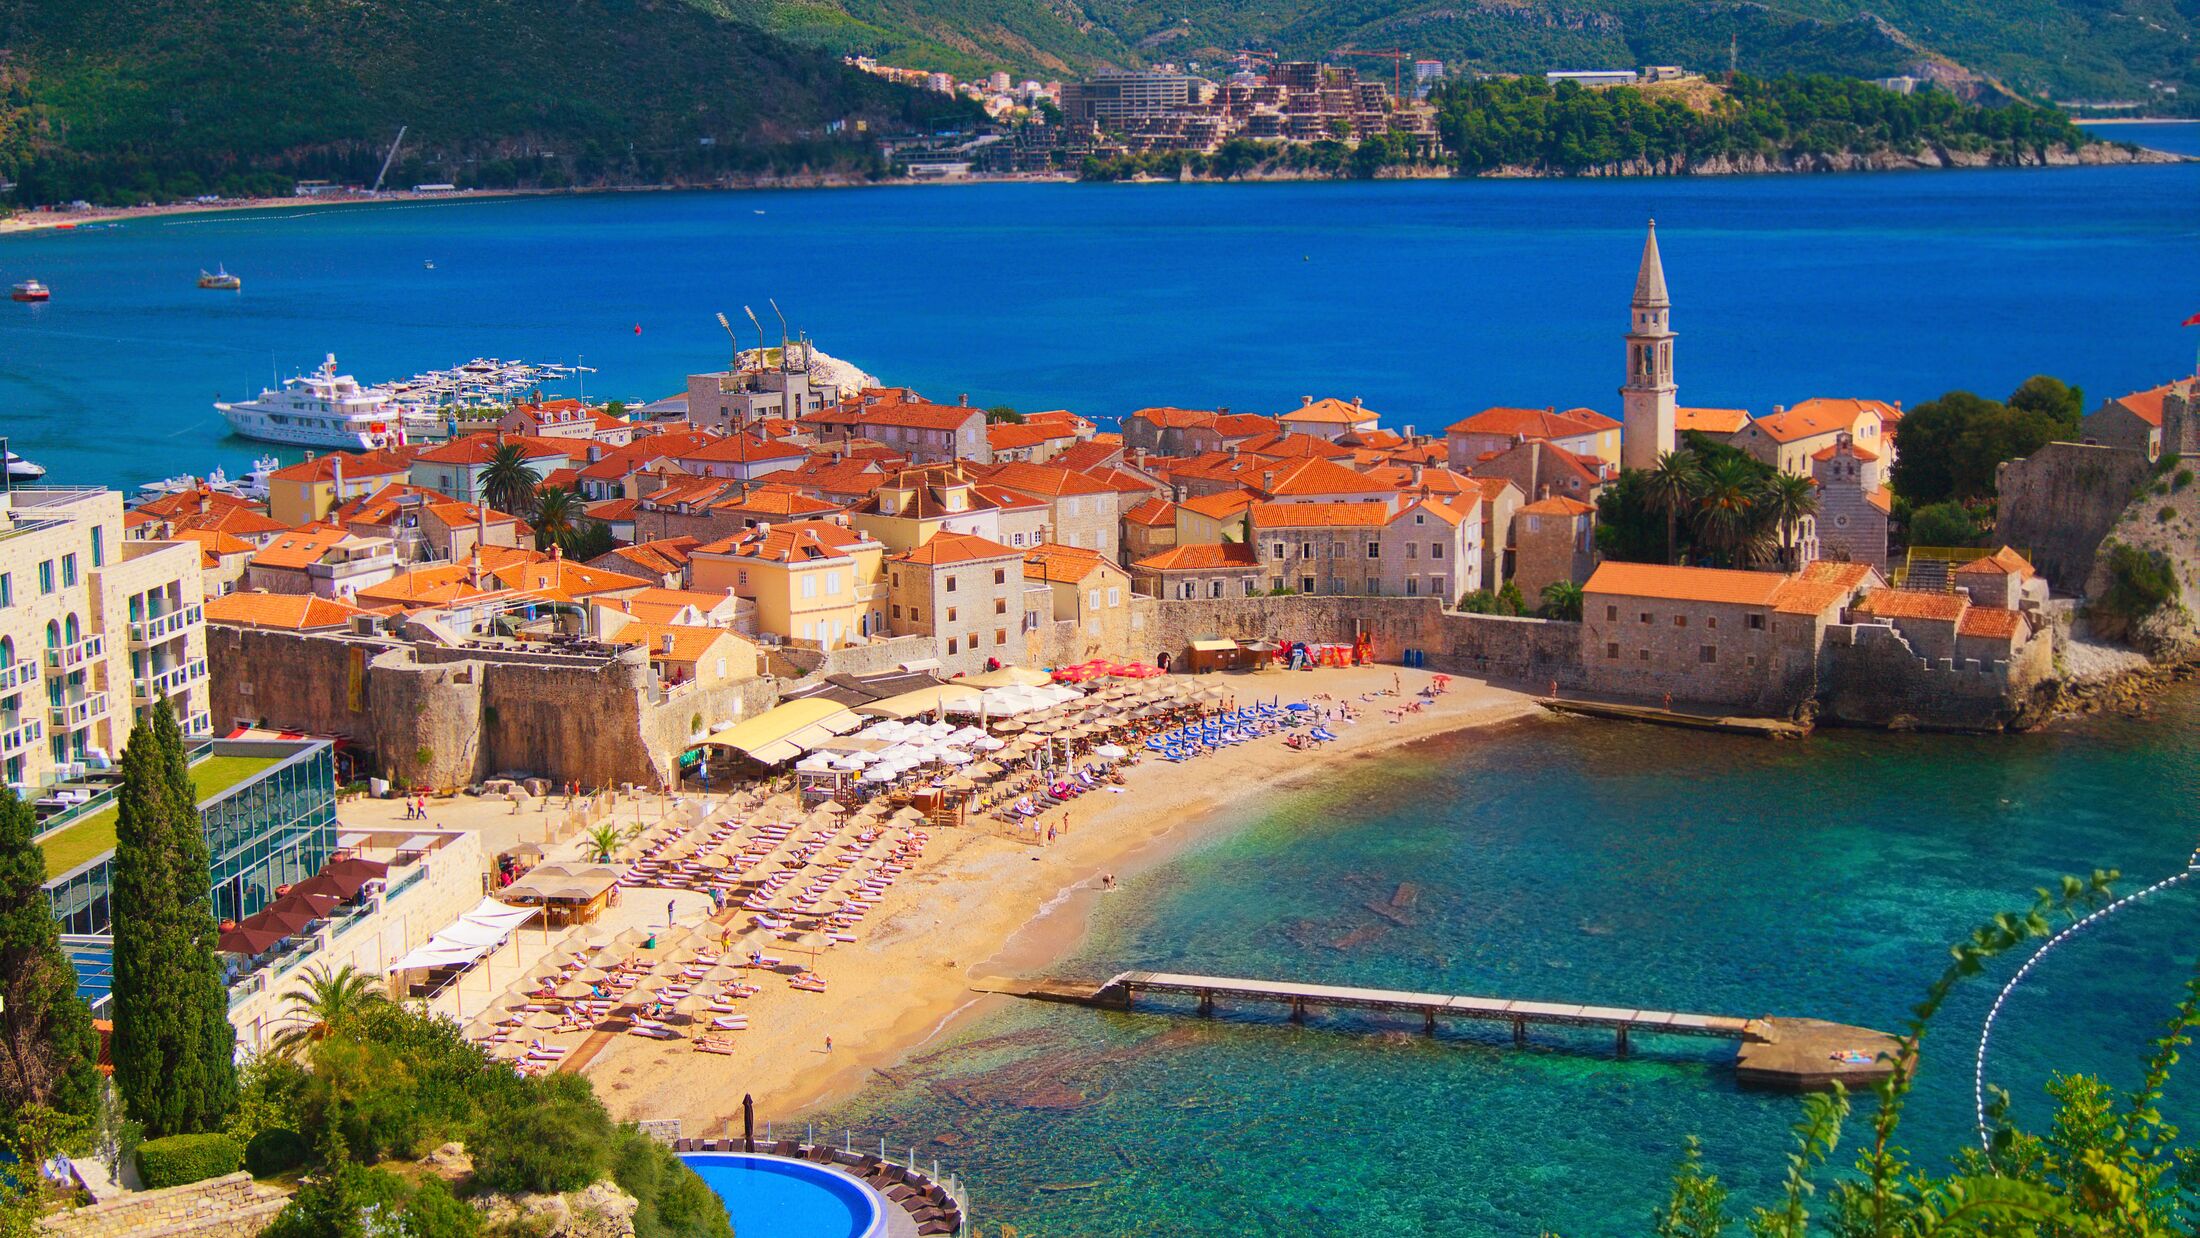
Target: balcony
175 623
17 676
199 724
17 738
147 689
80 713
80 654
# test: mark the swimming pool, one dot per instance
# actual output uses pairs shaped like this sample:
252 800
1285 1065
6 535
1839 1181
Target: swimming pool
772 1197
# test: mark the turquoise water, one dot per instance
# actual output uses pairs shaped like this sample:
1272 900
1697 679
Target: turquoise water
1566 861
1429 299
769 1198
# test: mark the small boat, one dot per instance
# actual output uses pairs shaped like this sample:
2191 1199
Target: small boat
20 469
30 290
428 265
220 280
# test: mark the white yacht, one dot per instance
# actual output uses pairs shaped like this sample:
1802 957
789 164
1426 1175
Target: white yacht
21 470
321 409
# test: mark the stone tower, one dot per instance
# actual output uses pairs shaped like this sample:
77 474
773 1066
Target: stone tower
1647 399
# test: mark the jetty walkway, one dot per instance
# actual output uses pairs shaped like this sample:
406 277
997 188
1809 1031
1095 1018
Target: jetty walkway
1784 1053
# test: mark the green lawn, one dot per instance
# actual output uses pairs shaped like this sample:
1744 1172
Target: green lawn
95 835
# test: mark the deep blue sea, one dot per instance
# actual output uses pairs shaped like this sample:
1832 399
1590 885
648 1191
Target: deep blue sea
1427 299
1565 861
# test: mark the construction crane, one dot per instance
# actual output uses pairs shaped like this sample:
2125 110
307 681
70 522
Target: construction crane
1250 60
1397 58
388 159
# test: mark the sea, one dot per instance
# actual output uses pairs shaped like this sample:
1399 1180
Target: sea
1428 300
1566 861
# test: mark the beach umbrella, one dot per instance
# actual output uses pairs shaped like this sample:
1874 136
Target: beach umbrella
983 769
1111 752
1009 727
571 990
833 808
545 1020
960 782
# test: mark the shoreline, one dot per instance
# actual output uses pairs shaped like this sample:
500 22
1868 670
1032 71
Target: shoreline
32 221
986 905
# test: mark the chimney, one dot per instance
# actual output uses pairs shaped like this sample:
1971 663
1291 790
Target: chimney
668 644
1223 410
557 552
963 400
1267 478
1356 405
1306 401
1778 409
1416 473
1231 451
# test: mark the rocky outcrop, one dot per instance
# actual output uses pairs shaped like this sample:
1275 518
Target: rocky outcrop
601 1210
2089 155
2162 521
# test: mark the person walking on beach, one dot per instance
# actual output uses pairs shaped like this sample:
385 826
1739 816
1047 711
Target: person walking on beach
669 907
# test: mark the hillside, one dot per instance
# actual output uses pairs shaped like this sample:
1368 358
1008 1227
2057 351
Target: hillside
2065 49
166 98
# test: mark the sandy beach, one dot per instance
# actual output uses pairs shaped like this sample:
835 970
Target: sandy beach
983 904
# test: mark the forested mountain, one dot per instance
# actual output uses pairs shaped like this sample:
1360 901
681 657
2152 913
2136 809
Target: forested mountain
168 98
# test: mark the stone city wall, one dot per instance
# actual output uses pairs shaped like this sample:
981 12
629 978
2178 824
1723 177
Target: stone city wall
1527 650
1869 675
227 1207
2060 501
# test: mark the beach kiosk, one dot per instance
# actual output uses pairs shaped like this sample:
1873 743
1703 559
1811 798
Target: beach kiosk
1211 655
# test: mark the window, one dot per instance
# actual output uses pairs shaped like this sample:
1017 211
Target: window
1756 623
1646 616
950 584
1092 599
744 578
1642 655
1413 550
1708 654
1435 550
916 615
1374 550
1420 518
1711 621
951 614
1279 550
1000 636
1115 596
1306 550
1275 584
45 577
897 610
99 546
1413 586
950 644
1611 649
1680 621
1611 614
1000 576
1000 606
809 586
832 584
1306 584
1214 589
7 588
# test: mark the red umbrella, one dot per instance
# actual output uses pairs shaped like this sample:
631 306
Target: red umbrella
249 941
282 920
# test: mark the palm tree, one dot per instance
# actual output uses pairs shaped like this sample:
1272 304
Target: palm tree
329 998
604 840
554 511
1670 488
1727 512
507 483
1790 500
1562 600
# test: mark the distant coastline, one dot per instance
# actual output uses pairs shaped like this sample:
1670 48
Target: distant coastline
2124 154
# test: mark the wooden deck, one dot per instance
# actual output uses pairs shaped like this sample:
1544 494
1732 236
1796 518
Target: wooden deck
1776 1052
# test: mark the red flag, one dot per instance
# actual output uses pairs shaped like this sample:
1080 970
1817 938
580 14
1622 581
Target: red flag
638 328
2193 321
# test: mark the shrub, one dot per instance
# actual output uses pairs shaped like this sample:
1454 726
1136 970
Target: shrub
2166 514
1945 524
181 1159
672 1201
357 1202
276 1151
2182 480
551 1142
2139 582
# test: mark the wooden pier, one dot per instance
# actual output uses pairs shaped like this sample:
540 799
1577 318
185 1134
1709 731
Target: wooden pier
1788 1054
1764 728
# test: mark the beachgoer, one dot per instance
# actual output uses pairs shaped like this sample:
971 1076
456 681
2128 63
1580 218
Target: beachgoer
828 1044
669 906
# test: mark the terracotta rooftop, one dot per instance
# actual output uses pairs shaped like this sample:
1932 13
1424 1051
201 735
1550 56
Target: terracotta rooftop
1153 513
1710 420
944 549
1331 411
1557 505
1912 604
1817 416
1172 418
797 541
290 612
300 547
1220 506
2001 561
1318 515
357 465
1991 622
1686 584
1528 423
1056 563
1201 556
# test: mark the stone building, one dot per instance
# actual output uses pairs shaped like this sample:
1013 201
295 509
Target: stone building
1089 590
1200 570
1853 504
1710 636
1788 438
1648 397
2154 421
1553 540
1544 470
1080 511
1149 528
1320 548
1430 548
965 592
730 400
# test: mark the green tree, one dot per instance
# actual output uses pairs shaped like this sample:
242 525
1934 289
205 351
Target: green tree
1730 512
1670 489
591 538
508 483
2053 399
1952 446
1789 500
173 1047
615 410
554 510
328 1000
1945 524
1002 414
48 1050
1562 600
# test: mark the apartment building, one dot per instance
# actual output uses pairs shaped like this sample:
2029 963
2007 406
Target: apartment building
95 630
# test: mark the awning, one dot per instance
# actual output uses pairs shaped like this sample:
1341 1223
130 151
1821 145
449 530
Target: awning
774 753
1007 677
925 701
438 953
491 912
1214 646
785 722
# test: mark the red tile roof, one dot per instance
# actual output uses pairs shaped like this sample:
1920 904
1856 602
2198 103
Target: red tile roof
1911 604
1201 556
797 541
1710 420
1685 584
290 612
1998 563
945 549
1153 513
1317 515
1815 417
1990 622
1557 505
1172 418
1528 423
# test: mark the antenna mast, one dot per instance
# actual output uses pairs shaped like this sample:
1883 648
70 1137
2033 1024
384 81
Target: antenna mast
388 159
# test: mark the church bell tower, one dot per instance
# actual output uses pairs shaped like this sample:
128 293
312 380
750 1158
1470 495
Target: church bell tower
1647 399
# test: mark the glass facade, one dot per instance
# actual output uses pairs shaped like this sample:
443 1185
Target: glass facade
273 829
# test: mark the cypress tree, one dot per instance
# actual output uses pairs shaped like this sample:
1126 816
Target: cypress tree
173 1048
48 1050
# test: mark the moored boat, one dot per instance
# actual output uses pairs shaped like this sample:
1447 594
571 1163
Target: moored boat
220 280
21 470
30 290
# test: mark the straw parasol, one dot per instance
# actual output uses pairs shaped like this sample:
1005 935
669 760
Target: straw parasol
833 808
545 1020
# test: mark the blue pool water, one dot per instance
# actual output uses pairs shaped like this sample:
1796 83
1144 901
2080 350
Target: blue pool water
1429 299
767 1197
